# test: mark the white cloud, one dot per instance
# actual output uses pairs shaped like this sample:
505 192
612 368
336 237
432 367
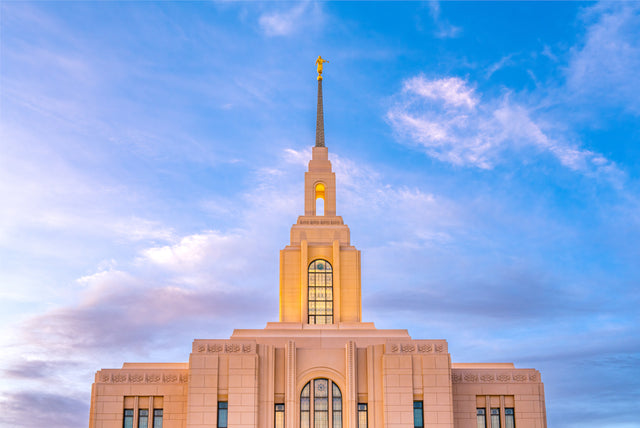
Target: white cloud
604 69
290 21
444 29
448 120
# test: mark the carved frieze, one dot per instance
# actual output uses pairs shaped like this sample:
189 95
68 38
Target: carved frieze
492 377
416 347
143 377
224 347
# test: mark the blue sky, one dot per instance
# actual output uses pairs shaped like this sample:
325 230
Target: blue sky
487 158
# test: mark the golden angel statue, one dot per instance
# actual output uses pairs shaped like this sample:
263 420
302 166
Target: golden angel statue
319 63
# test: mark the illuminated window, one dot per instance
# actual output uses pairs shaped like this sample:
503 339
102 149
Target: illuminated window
418 419
320 296
495 418
222 414
320 199
143 418
509 418
279 419
482 418
362 415
322 399
157 418
128 418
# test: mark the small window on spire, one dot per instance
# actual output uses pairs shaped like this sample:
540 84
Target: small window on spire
320 199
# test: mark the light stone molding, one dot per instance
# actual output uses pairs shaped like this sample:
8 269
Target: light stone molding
517 375
117 376
224 347
417 347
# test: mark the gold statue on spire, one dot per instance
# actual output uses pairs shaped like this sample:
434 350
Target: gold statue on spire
319 63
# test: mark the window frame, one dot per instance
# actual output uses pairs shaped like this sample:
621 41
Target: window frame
330 405
223 408
418 405
314 277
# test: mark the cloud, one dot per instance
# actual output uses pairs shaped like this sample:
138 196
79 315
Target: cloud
443 30
30 409
285 23
451 122
604 68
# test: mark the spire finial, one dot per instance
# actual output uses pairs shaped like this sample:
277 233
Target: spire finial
319 63
320 116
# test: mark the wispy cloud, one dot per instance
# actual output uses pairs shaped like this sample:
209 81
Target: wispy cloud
604 68
443 29
450 121
284 23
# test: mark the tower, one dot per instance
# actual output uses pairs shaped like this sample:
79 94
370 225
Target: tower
319 366
320 269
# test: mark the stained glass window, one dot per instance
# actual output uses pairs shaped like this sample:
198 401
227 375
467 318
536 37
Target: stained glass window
128 418
320 296
279 418
495 418
157 418
509 418
482 418
362 415
223 408
322 399
143 418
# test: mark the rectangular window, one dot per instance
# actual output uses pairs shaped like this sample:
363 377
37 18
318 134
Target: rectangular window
157 418
279 421
128 418
418 421
482 418
143 418
222 414
495 417
362 415
509 418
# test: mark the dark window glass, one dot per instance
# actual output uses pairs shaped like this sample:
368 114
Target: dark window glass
362 415
495 418
222 414
509 418
320 296
143 418
482 418
279 421
128 418
418 421
157 418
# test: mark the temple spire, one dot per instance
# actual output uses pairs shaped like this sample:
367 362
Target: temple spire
320 114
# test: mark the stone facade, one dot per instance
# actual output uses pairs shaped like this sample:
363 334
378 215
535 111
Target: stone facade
381 375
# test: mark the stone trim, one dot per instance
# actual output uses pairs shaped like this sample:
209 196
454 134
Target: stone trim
497 376
223 347
417 347
119 376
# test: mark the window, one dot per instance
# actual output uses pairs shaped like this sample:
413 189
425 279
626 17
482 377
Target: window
320 199
157 418
495 417
279 420
222 414
482 418
320 296
362 415
317 399
128 418
509 418
418 420
143 418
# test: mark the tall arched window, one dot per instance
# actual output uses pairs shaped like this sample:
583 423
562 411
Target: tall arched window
320 296
322 399
320 199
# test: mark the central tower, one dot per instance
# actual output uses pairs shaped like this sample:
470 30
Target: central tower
320 269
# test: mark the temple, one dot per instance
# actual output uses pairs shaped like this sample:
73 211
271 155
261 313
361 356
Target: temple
319 365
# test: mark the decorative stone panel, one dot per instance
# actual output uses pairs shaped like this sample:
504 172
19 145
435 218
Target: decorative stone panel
417 347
